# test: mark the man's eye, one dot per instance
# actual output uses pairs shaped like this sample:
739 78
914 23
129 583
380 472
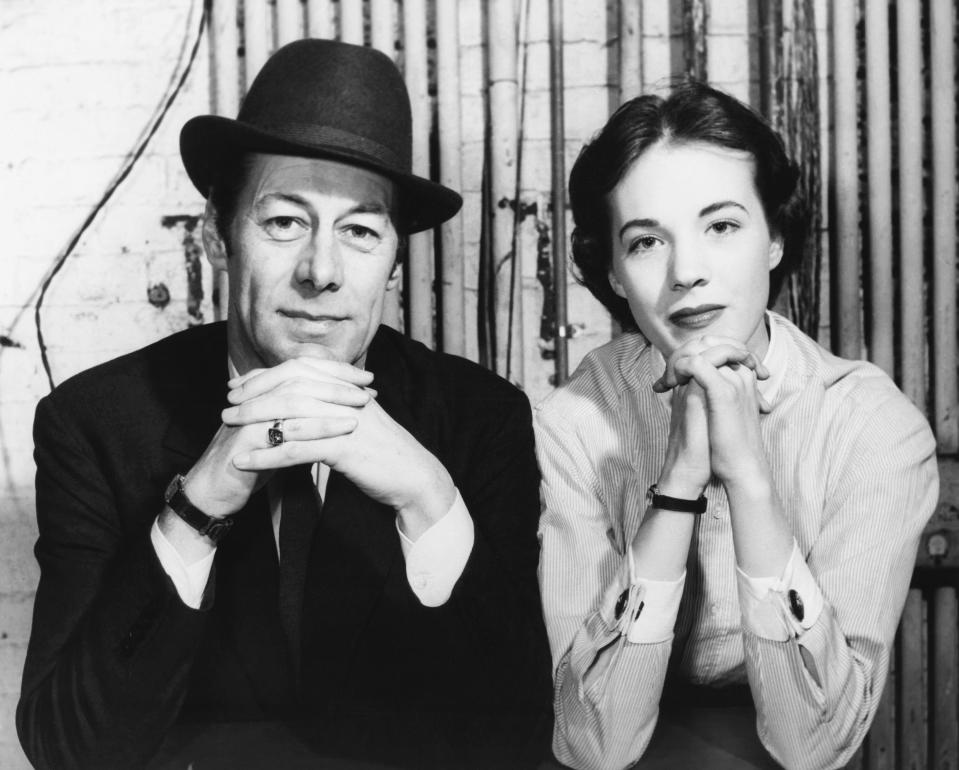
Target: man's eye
284 228
361 235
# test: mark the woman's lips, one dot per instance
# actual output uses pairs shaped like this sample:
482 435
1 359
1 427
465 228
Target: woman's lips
696 317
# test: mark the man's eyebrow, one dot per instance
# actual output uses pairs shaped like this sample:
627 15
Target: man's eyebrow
370 208
638 223
299 200
712 208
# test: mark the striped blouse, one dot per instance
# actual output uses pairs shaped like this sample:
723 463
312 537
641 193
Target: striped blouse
854 464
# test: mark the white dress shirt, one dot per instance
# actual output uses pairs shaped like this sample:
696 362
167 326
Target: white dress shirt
854 464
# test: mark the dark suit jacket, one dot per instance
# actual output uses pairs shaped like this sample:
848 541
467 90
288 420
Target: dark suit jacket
115 659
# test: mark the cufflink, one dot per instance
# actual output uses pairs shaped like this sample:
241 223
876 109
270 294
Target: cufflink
621 603
796 606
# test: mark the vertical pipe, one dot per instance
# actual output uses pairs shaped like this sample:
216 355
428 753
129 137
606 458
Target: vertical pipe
845 181
383 38
558 141
256 37
449 130
382 29
911 341
419 303
289 21
879 154
911 722
630 49
945 723
503 147
351 21
224 44
943 98
770 56
695 24
319 21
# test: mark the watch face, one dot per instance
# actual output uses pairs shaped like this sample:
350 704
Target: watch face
171 489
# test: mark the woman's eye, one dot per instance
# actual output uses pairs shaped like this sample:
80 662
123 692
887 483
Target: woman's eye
643 243
724 227
284 228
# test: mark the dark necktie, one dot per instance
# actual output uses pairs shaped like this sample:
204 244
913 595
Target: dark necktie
298 514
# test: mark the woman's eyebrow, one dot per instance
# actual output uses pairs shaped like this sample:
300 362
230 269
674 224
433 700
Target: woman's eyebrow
638 223
712 208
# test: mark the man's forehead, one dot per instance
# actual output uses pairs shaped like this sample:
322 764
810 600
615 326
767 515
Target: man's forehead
300 177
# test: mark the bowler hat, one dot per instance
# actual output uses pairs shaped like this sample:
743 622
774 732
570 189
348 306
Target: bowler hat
324 99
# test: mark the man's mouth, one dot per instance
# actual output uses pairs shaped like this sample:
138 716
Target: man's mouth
696 317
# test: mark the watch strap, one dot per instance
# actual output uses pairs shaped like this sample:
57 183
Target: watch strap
678 504
213 528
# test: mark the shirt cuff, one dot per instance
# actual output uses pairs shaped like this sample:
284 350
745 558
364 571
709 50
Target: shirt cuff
435 561
780 608
189 580
656 616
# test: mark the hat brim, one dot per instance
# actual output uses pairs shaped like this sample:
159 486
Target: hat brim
208 142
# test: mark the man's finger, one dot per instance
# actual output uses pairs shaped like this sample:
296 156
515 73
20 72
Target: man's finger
309 367
269 408
333 391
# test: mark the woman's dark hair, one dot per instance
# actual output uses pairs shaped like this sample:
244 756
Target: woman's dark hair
693 112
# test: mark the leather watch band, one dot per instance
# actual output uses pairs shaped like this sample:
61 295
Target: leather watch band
678 504
179 503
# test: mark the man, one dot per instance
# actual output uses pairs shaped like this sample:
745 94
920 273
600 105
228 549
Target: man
301 517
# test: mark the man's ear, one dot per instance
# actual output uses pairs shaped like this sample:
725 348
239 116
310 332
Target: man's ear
616 285
213 243
395 276
775 252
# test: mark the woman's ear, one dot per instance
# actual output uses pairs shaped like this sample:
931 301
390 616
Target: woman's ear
775 252
213 243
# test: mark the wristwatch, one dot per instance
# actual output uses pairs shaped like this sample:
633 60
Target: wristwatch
679 504
180 504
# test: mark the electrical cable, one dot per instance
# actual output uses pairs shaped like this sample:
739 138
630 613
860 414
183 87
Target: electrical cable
132 158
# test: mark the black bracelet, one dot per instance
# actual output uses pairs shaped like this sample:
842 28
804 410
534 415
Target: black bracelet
678 504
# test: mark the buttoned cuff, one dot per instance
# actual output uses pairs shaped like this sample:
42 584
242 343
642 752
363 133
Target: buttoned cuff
435 561
658 607
780 608
189 580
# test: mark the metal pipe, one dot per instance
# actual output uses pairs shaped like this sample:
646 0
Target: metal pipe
382 27
911 342
453 300
630 48
289 21
879 160
501 51
942 65
256 38
351 21
558 146
845 180
224 43
319 21
419 304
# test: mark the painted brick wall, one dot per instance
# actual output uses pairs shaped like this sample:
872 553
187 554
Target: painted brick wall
79 84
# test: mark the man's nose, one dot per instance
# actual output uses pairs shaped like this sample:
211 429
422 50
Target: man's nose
689 266
321 265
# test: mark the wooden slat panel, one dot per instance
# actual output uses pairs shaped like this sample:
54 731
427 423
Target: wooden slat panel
879 150
911 722
909 69
351 21
257 31
289 21
881 744
945 661
943 101
845 181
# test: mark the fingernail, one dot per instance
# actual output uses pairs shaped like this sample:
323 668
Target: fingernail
229 413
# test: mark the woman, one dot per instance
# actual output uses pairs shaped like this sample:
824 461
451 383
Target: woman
725 502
